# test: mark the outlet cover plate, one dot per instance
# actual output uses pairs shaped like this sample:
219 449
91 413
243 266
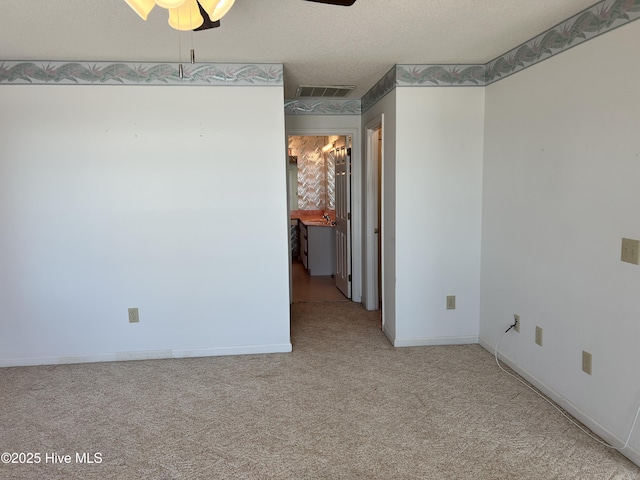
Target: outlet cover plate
586 362
134 316
630 251
516 321
451 302
539 335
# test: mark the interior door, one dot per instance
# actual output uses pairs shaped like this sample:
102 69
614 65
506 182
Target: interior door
343 219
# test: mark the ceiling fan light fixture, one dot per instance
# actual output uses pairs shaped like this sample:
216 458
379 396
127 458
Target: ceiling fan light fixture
170 3
217 8
142 7
186 16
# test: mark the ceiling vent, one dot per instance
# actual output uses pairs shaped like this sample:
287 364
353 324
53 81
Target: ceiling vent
324 90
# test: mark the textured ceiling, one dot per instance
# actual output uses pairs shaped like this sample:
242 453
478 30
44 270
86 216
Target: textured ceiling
318 44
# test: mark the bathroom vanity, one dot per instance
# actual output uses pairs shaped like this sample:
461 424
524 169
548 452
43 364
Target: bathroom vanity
318 247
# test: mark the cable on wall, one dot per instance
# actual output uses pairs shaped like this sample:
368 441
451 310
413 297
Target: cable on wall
635 420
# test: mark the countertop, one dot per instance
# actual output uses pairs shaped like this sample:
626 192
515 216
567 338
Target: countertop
317 223
313 218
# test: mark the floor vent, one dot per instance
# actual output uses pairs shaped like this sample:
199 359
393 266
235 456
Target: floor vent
324 90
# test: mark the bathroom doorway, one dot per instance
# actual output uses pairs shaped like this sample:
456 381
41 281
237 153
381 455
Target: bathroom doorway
319 209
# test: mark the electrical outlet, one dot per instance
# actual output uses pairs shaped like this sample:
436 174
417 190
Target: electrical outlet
516 321
451 302
630 251
134 316
586 362
539 335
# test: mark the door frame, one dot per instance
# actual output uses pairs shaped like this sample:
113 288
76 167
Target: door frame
356 197
374 165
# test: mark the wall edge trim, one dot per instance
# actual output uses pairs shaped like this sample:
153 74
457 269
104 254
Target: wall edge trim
604 16
323 106
590 23
560 400
146 355
139 73
434 341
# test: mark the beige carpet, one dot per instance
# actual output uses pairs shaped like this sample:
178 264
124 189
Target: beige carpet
343 405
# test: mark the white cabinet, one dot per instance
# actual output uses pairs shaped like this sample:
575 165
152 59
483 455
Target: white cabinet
318 249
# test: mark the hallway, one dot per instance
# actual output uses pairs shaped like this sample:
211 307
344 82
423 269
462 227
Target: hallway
313 289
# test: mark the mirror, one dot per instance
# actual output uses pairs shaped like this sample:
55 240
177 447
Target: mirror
311 172
292 182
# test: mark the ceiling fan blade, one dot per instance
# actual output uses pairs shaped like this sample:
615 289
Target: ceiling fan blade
207 24
344 3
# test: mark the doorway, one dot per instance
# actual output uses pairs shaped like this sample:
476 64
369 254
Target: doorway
317 178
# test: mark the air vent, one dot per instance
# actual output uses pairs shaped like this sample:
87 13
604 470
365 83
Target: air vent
324 90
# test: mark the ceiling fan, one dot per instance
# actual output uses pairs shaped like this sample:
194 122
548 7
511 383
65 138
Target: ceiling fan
344 3
182 16
208 23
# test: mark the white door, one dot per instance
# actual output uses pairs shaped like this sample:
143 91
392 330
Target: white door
343 220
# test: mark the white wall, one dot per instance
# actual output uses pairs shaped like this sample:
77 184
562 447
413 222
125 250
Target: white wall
168 199
561 170
438 168
385 108
322 122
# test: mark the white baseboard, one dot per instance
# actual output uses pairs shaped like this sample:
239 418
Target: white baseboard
146 355
239 350
630 452
431 341
387 334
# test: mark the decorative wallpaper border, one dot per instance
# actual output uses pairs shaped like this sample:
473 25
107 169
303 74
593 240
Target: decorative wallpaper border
106 73
439 75
592 22
602 17
322 106
379 90
425 76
